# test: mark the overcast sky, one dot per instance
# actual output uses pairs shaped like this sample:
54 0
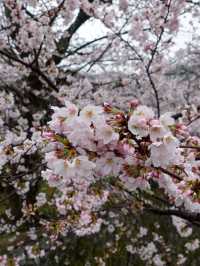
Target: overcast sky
94 28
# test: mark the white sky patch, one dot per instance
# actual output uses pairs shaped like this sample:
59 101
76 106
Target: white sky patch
93 29
186 32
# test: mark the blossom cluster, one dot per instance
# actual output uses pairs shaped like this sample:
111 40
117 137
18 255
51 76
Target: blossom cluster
88 147
94 166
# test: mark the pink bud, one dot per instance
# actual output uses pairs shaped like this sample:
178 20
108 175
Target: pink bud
133 103
47 134
107 107
120 117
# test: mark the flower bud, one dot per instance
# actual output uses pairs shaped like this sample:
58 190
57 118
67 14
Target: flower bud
107 107
133 103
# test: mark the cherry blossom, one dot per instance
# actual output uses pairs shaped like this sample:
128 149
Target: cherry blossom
99 132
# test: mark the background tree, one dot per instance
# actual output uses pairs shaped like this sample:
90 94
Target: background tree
43 63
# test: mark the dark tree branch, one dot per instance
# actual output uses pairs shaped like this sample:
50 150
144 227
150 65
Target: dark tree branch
63 43
31 67
192 217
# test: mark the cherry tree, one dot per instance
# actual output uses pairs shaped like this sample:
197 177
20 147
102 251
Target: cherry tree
98 141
